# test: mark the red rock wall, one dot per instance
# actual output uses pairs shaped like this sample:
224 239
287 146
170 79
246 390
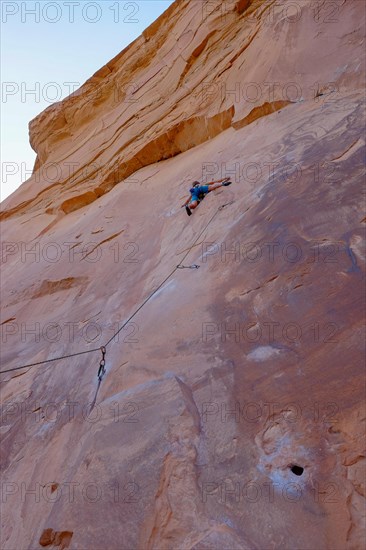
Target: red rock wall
234 377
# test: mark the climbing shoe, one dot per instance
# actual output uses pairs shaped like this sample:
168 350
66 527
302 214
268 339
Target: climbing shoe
226 183
188 211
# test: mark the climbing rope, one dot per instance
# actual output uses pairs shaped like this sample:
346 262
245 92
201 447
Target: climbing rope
50 360
102 370
166 278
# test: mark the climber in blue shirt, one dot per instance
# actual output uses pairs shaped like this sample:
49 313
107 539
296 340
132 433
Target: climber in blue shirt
198 193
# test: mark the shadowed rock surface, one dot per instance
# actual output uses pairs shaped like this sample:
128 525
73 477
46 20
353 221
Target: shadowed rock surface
231 413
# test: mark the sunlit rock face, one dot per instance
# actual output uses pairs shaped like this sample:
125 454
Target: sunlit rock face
231 411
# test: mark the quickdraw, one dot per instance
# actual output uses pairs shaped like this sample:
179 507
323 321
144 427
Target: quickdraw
226 204
101 371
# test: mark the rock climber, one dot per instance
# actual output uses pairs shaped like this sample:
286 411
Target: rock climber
198 193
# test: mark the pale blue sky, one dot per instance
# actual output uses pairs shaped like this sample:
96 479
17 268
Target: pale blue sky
44 46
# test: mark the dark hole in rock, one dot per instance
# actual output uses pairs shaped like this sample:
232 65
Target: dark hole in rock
54 486
297 470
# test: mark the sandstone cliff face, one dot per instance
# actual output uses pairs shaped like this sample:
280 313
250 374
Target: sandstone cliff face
230 415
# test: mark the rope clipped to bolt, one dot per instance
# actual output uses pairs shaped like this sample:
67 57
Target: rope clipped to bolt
102 371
